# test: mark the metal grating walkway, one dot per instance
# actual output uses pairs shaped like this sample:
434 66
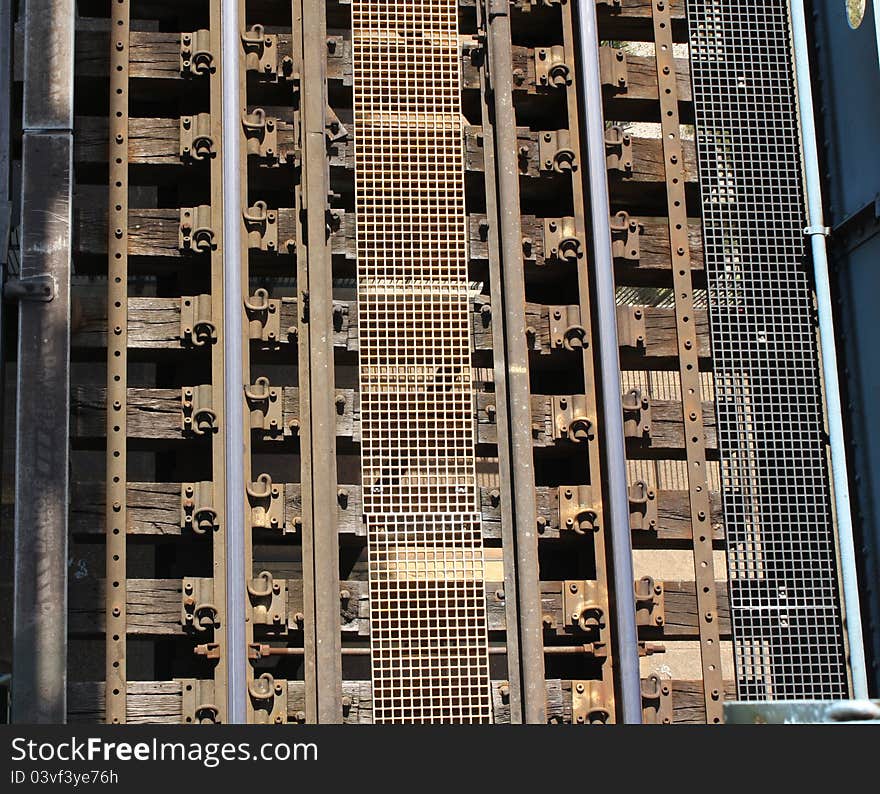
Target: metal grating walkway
784 598
421 506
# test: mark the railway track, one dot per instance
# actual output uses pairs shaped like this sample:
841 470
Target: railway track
265 512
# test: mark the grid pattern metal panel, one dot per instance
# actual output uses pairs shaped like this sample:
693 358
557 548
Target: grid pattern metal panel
427 592
784 596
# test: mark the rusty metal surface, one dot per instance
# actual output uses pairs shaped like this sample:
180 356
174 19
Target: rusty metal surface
689 367
603 695
512 367
117 369
310 640
418 467
199 46
323 408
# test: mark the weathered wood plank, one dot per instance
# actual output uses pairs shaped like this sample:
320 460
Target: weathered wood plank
667 425
161 702
156 413
148 702
154 323
660 338
156 55
632 21
673 517
689 702
680 619
154 609
156 141
152 54
154 509
155 232
654 251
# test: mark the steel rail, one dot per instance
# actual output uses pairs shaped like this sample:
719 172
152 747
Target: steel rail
524 511
594 454
322 387
310 671
234 376
616 514
499 359
219 396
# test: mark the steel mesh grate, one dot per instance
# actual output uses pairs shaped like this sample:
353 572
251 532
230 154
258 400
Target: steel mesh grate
784 597
428 611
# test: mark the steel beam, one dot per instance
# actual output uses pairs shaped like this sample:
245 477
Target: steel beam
316 190
499 360
234 376
42 422
617 501
534 707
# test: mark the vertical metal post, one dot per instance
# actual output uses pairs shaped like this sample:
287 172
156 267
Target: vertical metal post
42 423
5 190
534 688
116 506
689 365
316 184
617 501
499 360
233 309
220 539
818 233
310 672
5 123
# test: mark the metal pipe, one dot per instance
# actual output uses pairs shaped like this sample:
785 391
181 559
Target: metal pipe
494 650
534 690
617 504
499 358
817 232
236 597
